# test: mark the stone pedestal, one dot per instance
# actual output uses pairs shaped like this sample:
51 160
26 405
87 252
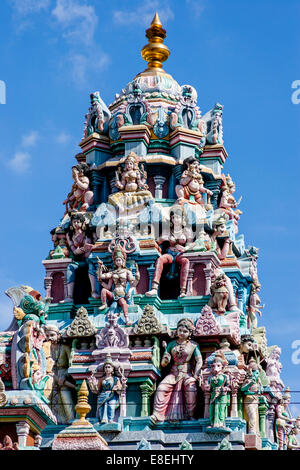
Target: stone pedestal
252 442
183 143
54 267
206 262
136 139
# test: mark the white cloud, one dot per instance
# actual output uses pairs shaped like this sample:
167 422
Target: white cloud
82 64
78 21
144 14
26 7
29 140
20 162
63 138
197 7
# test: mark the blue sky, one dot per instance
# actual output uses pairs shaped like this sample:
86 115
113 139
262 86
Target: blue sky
245 55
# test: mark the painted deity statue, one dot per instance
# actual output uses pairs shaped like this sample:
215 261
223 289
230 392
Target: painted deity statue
252 389
219 295
283 420
292 441
191 185
60 248
61 397
176 395
220 232
228 202
81 246
273 369
108 388
119 284
254 306
80 197
133 191
7 444
218 386
180 239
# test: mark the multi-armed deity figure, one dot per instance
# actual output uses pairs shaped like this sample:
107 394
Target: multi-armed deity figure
131 182
61 397
81 245
179 240
219 387
108 388
191 185
80 197
119 284
176 395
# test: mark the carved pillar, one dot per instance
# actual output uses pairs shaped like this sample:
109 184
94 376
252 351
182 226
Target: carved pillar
206 404
214 186
22 432
234 401
207 273
241 296
97 185
270 420
262 408
151 270
159 181
146 390
37 440
189 284
48 284
123 402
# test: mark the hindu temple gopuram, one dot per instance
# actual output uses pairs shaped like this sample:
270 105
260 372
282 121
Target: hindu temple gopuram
148 335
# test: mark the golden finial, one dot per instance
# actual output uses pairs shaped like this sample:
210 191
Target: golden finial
82 407
155 52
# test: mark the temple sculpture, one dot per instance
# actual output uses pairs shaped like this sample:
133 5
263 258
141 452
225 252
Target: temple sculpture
151 323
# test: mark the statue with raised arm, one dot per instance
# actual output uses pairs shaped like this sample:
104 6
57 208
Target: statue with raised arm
80 197
191 185
176 395
80 241
119 284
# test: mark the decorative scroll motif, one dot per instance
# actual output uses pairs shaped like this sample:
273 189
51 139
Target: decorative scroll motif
148 323
81 325
207 325
127 243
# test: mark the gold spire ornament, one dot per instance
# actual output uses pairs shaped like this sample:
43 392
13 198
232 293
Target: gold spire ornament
155 52
82 407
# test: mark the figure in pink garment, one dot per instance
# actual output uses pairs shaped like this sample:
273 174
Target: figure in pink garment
176 395
191 185
121 282
228 202
180 239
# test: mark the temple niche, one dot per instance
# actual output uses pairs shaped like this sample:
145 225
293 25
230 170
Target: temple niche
152 315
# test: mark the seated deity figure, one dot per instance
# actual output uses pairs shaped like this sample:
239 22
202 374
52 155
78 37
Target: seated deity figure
176 395
228 202
81 246
108 388
80 197
61 398
133 191
218 386
119 284
191 185
180 239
